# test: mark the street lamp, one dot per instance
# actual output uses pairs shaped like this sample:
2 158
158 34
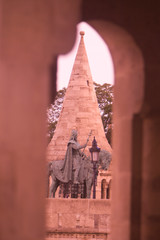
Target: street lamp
94 150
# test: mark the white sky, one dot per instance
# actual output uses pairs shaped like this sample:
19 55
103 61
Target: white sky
99 58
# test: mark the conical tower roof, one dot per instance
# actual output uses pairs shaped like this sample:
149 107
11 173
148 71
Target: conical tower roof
80 110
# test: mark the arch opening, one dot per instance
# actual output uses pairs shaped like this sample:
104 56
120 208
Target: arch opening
128 66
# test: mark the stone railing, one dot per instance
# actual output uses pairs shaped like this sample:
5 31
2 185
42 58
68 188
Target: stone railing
77 218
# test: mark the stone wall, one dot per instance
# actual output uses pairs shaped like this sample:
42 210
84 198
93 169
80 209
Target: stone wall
77 218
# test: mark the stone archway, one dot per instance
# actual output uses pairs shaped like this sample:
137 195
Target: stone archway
127 135
38 24
129 76
128 102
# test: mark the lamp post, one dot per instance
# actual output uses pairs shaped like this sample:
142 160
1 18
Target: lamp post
94 150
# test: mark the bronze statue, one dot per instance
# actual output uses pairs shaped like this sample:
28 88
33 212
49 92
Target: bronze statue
72 160
85 172
76 168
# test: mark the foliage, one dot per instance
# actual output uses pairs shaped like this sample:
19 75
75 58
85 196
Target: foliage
104 95
105 100
53 112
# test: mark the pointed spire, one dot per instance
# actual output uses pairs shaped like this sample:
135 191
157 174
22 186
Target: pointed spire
80 110
82 33
81 66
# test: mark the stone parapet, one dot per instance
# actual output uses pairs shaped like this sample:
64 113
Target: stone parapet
77 218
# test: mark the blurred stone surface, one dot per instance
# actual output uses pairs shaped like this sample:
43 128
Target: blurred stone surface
78 217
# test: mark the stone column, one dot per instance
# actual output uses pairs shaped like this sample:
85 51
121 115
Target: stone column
150 210
31 35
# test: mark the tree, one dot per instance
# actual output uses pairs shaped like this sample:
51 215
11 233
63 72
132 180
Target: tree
104 95
53 113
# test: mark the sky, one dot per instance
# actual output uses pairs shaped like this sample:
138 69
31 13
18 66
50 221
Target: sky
98 55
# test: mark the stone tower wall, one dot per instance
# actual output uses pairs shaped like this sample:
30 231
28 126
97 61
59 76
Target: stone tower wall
80 110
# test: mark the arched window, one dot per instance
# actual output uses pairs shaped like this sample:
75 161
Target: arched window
108 191
103 189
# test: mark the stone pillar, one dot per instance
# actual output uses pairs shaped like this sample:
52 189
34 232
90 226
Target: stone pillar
32 34
150 210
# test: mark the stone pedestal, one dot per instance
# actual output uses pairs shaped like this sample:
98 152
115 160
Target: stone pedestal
77 219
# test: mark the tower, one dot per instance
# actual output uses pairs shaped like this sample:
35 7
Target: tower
80 110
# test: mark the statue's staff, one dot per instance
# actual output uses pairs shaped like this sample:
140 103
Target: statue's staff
87 140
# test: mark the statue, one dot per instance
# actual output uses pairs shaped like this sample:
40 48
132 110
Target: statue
72 161
85 172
